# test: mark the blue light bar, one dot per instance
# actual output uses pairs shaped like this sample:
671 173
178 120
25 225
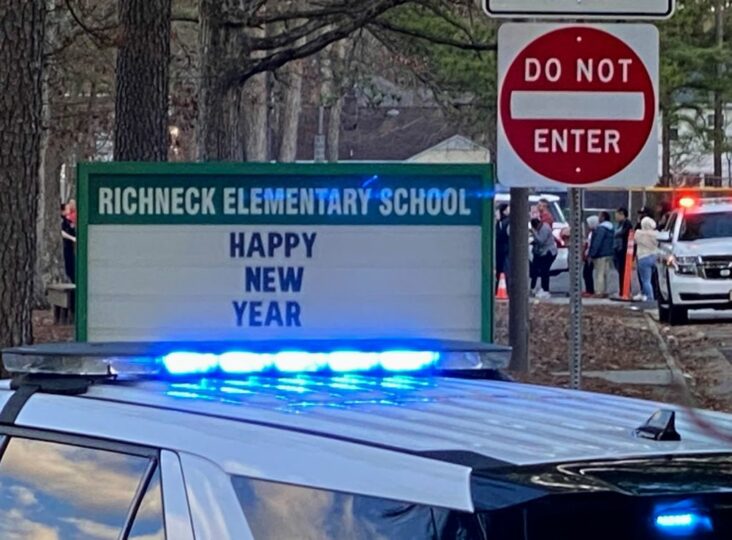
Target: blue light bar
183 363
270 357
187 363
675 520
683 523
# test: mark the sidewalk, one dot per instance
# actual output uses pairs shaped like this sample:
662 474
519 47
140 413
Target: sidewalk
621 352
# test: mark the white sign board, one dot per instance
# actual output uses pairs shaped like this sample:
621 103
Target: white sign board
581 9
578 105
217 252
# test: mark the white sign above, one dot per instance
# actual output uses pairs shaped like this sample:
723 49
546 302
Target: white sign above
585 9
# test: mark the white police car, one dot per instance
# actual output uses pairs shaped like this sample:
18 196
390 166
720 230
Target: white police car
313 441
695 266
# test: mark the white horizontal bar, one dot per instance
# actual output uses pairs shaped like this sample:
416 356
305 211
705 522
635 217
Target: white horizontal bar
577 105
589 7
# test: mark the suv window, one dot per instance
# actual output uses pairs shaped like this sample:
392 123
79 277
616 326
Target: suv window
276 511
706 226
148 524
50 491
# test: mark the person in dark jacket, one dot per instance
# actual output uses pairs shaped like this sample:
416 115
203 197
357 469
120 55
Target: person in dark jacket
663 214
620 243
588 271
601 253
502 241
68 233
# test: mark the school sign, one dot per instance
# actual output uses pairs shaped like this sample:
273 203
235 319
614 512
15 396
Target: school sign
262 251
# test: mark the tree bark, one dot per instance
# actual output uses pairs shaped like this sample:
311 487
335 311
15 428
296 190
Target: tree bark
254 110
210 132
333 134
222 124
333 83
141 107
255 101
719 135
21 57
49 246
666 149
49 262
290 121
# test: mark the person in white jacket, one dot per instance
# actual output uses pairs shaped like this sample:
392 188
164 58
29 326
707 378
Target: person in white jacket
646 242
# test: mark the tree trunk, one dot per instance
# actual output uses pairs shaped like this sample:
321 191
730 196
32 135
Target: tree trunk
49 263
290 121
255 98
333 135
254 109
332 72
21 58
49 254
141 107
719 134
210 133
666 149
220 124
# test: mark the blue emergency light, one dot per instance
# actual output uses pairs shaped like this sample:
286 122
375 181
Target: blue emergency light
682 520
277 358
244 362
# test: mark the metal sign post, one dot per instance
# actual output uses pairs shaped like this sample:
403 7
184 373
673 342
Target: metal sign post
575 288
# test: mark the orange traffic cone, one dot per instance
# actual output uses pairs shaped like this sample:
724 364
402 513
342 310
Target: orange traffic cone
502 293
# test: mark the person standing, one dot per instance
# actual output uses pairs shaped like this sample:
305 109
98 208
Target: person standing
620 244
502 241
646 241
545 215
644 212
663 211
588 269
601 253
68 233
544 250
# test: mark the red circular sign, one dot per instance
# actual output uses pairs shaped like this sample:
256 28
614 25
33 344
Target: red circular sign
577 105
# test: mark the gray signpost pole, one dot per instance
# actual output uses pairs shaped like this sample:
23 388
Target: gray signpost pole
518 284
575 288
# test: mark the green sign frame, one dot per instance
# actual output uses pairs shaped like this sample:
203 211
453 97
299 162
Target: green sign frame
271 174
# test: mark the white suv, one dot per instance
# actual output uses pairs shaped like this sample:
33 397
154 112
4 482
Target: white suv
695 266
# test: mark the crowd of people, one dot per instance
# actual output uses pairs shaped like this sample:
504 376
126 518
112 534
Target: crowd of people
606 248
544 248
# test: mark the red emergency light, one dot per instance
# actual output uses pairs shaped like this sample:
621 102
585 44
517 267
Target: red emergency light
687 202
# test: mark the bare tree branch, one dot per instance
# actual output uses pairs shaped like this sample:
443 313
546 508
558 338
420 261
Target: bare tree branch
96 33
358 18
439 40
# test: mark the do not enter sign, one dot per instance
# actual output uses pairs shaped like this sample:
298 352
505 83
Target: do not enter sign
578 105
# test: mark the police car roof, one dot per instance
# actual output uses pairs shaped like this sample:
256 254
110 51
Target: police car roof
709 205
483 421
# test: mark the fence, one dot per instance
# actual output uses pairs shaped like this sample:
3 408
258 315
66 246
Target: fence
595 201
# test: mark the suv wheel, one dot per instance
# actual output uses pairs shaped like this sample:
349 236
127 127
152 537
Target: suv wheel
678 316
663 311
